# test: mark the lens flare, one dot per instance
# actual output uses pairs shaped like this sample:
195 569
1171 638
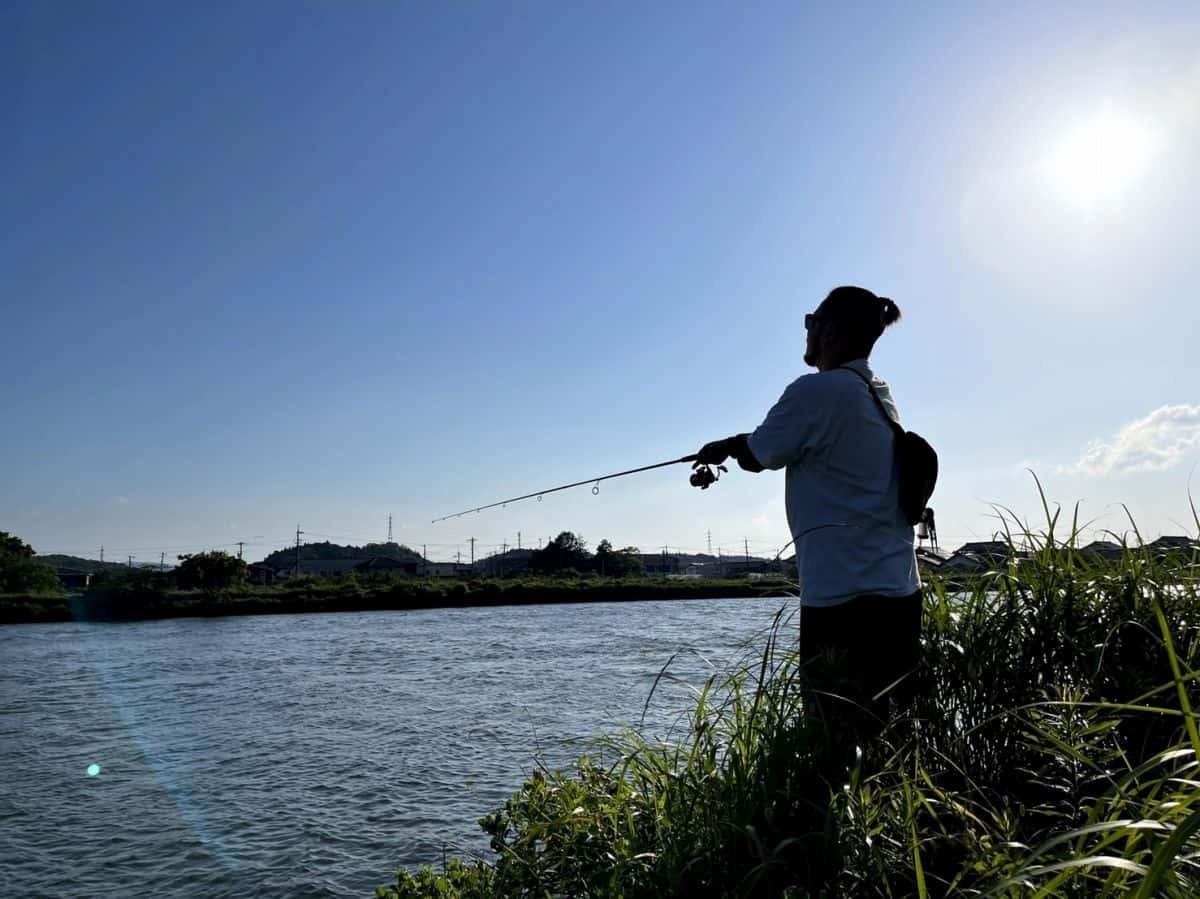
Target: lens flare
1097 160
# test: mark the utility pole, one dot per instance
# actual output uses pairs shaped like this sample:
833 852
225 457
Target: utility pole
131 561
503 553
101 555
298 533
472 552
746 545
162 561
389 529
518 539
720 563
710 543
424 562
240 544
458 557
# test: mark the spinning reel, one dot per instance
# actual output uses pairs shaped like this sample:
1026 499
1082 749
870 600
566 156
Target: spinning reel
704 476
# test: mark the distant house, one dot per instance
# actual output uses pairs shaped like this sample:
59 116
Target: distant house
685 565
386 565
1102 549
762 568
74 580
447 570
974 558
661 564
996 549
1167 545
966 563
321 568
260 573
931 558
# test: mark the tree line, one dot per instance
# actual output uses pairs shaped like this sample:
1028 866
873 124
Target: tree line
568 553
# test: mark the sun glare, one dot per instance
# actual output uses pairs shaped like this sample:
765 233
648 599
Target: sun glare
1097 160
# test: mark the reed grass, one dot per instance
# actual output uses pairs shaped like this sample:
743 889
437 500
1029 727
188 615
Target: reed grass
1051 749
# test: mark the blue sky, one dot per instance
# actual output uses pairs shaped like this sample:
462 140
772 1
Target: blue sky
276 264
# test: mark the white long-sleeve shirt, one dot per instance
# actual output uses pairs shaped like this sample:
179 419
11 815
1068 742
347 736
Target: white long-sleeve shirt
842 487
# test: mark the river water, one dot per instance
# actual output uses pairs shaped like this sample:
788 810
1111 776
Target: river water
310 755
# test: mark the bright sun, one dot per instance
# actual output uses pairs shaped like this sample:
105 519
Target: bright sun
1095 162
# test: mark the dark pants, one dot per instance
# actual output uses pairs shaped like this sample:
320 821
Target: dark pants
857 650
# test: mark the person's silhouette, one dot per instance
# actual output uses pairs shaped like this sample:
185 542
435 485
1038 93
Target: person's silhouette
860 592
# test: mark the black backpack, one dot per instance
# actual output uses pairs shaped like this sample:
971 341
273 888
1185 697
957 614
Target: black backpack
918 463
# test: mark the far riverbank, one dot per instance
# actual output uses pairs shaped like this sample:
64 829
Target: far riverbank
135 603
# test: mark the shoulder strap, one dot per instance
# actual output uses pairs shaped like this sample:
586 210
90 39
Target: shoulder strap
896 427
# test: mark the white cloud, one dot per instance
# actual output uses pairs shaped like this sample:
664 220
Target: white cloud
121 500
1154 443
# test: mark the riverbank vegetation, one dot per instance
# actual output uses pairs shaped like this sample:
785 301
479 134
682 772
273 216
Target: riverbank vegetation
20 571
144 594
1050 750
216 582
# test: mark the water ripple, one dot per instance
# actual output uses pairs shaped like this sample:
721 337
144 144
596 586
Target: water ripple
310 755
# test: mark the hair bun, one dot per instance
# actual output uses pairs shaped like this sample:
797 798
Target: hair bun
889 312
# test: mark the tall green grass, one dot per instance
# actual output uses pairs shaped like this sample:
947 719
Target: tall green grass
1051 750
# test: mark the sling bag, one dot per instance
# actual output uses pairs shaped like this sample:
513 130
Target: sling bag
918 462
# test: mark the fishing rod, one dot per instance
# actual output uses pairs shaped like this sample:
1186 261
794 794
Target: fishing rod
702 477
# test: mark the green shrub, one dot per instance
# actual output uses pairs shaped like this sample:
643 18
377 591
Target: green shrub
20 572
458 881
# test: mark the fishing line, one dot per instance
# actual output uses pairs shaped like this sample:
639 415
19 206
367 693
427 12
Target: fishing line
697 477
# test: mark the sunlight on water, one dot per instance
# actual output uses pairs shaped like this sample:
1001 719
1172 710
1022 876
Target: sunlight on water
93 770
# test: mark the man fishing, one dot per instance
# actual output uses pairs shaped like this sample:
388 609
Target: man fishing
860 593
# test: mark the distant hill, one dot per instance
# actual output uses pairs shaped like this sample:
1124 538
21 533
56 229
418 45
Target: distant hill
59 562
282 558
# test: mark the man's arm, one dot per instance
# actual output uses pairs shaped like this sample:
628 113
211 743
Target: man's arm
790 427
783 436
